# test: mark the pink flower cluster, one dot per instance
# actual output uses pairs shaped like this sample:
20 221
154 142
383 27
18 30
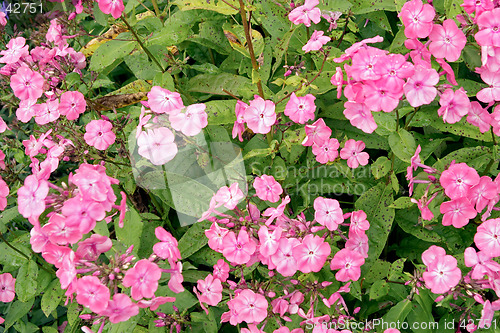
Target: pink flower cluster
259 115
7 289
285 245
442 272
156 143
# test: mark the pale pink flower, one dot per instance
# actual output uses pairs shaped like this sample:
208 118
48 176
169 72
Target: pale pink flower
90 292
479 117
260 115
316 41
176 278
113 7
283 258
168 247
269 241
317 133
16 49
447 41
215 237
306 13
26 110
238 250
61 233
360 116
250 307
31 197
27 84
99 134
229 196
143 279
393 70
358 242
155 302
328 152
239 124
120 308
487 237
364 62
477 6
191 121
381 97
354 154
92 247
328 213
267 188
3 22
481 263
417 18
46 112
311 254
358 222
454 105
164 101
276 213
221 270
349 264
492 92
211 290
157 145
442 274
458 179
72 104
56 254
457 212
489 28
482 193
7 287
419 88
301 109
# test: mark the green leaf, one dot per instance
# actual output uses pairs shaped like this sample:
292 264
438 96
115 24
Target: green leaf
17 311
131 232
26 281
377 272
7 216
367 6
221 112
208 322
219 6
396 269
99 16
473 156
194 239
379 289
111 51
386 122
403 144
402 203
381 167
396 314
471 87
176 29
52 297
236 85
141 66
409 221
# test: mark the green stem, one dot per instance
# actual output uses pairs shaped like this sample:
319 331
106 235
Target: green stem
146 50
155 6
409 119
493 137
248 36
397 120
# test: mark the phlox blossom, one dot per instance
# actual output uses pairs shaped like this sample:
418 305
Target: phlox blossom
317 133
306 13
360 116
4 192
221 270
283 259
479 117
249 307
167 248
328 213
99 134
269 240
92 247
72 104
238 250
191 121
157 145
7 287
419 88
143 279
300 109
31 197
90 292
354 154
211 290
16 49
267 188
311 254
316 41
458 179
381 97
120 309
489 28
161 100
113 7
442 274
349 265
447 41
492 92
417 18
327 152
229 196
27 84
457 212
454 105
260 115
487 237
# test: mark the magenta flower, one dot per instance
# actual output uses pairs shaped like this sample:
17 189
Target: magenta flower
249 306
328 213
306 13
354 154
442 274
311 254
458 179
92 247
90 292
300 109
381 97
99 134
489 28
260 115
349 264
419 89
168 247
191 121
454 105
327 152
316 41
360 116
447 41
267 188
72 104
16 49
61 233
157 145
7 287
239 124
120 308
317 133
143 279
457 212
113 7
211 290
31 197
417 18
164 101
27 84
238 250
487 237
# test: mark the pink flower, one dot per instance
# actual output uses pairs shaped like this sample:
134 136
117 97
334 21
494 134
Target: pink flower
482 193
419 89
283 259
477 6
211 290
157 145
221 270
61 233
381 97
454 105
16 49
301 109
360 116
417 19
164 101
46 112
260 115
492 92
31 197
481 263
143 278
7 287
27 84
215 236
327 152
479 117
316 41
4 192
267 188
393 69
447 41
249 306
306 13
457 212
317 133
92 247
358 242
487 237
168 247
311 254
269 241
176 278
26 110
354 154
72 104
328 213
239 124
99 134
229 196
458 179
90 292
348 262
120 308
442 274
358 222
113 7
238 250
489 28
364 63
190 122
